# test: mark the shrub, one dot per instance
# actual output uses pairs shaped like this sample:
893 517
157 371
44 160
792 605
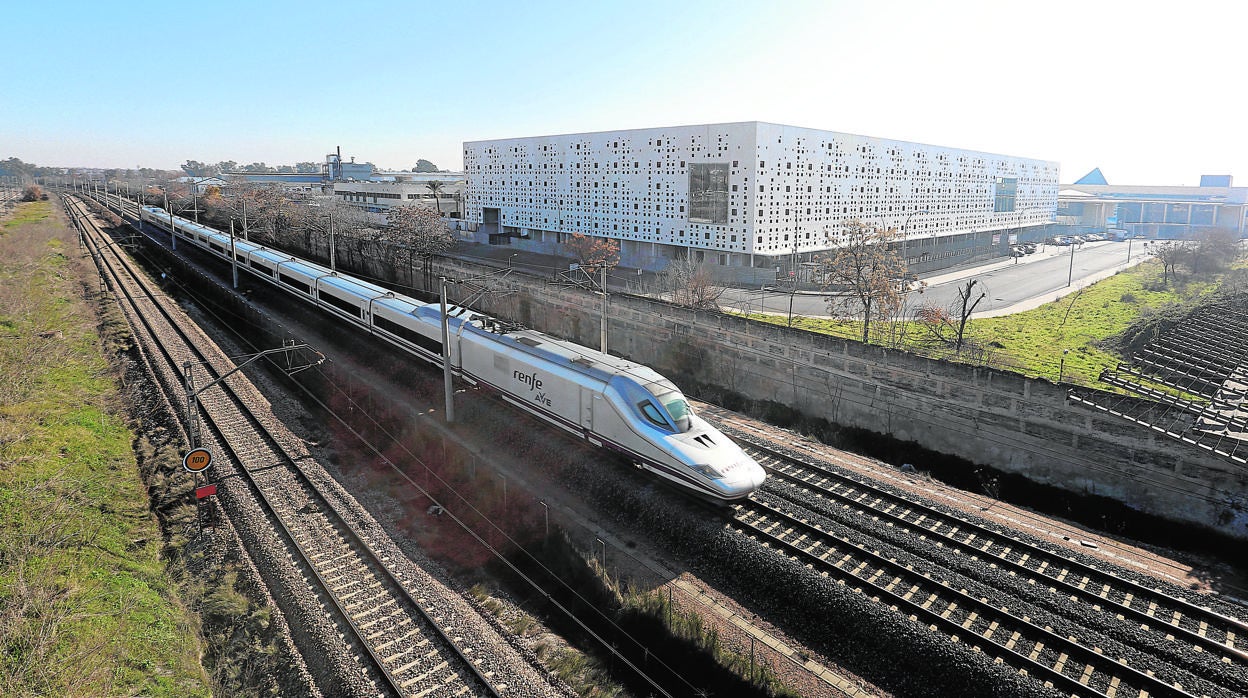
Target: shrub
33 192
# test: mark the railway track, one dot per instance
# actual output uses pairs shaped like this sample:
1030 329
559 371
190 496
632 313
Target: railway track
1001 627
1093 596
407 645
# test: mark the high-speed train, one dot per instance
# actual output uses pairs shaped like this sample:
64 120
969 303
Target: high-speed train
608 401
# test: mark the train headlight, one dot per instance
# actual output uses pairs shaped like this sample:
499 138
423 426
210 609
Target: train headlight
707 470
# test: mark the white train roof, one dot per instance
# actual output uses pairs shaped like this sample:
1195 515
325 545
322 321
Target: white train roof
583 358
352 285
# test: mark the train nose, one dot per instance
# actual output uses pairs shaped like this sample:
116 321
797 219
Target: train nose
753 475
745 477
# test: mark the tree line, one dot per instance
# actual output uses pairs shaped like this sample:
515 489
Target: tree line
272 216
195 168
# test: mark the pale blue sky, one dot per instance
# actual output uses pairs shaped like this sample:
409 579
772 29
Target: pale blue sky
1150 91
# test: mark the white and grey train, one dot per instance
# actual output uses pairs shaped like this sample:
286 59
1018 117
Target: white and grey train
608 401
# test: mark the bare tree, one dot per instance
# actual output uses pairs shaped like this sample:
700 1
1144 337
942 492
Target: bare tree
347 228
420 232
1169 253
691 285
947 325
864 274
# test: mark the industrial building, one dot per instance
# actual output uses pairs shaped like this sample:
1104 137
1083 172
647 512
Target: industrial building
1091 204
440 190
751 198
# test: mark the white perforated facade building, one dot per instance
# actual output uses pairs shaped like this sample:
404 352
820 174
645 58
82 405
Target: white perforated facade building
748 194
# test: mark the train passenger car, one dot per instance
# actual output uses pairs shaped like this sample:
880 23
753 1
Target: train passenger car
300 277
264 261
395 319
348 296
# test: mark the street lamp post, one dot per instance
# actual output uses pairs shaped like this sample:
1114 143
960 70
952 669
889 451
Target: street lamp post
333 262
173 236
1061 366
793 291
233 255
603 325
1071 274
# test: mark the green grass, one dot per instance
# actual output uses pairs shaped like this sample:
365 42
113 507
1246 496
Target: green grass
86 604
26 214
1033 342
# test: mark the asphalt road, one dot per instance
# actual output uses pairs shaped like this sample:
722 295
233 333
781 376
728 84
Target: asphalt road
1012 286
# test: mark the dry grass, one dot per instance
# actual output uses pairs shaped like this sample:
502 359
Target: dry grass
86 604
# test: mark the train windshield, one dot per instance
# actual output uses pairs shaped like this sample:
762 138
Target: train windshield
665 406
677 407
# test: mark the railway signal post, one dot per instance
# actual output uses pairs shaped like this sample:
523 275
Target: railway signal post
198 459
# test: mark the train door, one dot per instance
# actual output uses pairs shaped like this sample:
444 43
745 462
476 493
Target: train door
587 408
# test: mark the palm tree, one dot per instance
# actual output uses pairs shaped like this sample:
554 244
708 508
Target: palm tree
436 187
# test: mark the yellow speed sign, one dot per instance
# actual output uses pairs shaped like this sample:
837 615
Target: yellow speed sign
197 460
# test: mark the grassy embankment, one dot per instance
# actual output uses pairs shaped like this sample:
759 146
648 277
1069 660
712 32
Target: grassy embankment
87 606
1032 342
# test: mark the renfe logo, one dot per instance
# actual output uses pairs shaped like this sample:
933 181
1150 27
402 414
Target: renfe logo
529 379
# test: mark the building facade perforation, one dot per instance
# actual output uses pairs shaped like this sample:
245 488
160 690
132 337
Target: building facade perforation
784 186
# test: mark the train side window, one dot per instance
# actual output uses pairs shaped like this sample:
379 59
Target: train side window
341 304
295 283
652 413
394 328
